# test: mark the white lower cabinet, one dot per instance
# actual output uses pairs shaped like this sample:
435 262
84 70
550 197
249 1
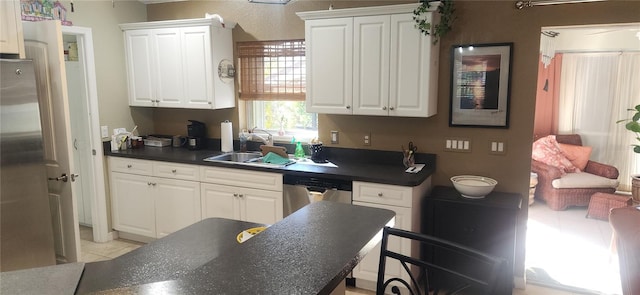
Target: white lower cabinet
133 204
150 206
241 194
405 202
177 205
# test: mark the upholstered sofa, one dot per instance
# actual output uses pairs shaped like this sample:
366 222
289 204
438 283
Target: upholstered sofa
578 195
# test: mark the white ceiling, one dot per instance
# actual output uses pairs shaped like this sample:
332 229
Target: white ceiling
613 37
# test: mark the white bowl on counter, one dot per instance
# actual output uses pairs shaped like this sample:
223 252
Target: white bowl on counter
473 187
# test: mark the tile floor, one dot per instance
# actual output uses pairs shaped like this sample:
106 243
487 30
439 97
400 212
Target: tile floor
572 249
92 251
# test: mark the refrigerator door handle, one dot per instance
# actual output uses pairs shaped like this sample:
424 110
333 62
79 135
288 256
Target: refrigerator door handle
63 178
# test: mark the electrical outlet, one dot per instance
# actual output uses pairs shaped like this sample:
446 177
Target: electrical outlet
366 139
334 137
104 131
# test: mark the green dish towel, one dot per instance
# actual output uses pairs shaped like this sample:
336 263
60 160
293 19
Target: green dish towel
274 158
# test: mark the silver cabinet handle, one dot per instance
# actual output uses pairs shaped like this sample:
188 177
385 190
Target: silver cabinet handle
379 194
174 170
235 195
241 195
384 108
63 178
391 108
348 107
129 166
149 183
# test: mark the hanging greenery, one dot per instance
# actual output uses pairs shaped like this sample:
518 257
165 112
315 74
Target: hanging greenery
445 9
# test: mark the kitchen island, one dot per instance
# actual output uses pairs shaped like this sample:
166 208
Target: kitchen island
309 252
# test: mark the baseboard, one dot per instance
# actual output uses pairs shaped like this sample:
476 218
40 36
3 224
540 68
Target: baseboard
519 282
134 237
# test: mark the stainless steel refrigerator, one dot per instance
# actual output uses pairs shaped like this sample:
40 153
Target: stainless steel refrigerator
26 232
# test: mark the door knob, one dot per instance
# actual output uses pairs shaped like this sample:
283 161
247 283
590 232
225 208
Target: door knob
63 178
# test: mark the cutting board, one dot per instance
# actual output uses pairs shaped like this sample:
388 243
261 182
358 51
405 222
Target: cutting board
278 150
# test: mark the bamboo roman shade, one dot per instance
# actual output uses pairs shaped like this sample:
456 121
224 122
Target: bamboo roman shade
272 70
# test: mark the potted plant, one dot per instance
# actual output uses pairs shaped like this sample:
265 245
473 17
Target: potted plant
445 9
633 125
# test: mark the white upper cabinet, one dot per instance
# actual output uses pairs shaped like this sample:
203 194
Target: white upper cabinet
370 61
329 44
11 41
175 63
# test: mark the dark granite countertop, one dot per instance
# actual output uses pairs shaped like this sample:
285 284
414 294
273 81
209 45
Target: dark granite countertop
355 165
308 252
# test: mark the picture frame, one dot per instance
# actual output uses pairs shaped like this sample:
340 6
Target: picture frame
480 85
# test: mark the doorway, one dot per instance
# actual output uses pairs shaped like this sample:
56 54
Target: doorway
85 130
566 250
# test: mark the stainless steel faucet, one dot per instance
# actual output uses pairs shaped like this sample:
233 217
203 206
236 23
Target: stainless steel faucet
268 141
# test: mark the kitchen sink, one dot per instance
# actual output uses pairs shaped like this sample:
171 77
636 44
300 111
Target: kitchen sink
242 158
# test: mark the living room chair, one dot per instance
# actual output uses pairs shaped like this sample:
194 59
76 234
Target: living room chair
561 190
482 278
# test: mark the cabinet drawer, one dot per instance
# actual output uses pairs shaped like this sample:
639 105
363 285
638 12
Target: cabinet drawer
133 166
176 171
382 194
242 178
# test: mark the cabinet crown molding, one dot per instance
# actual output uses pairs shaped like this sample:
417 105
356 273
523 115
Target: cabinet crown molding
363 11
178 23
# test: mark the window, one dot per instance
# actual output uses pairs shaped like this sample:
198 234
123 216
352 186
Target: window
273 82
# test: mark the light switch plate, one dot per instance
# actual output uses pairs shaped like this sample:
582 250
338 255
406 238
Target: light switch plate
334 137
104 131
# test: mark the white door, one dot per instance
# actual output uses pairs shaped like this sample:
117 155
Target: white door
411 82
43 44
329 65
80 135
220 201
261 206
367 269
198 75
133 204
371 65
167 59
138 51
177 204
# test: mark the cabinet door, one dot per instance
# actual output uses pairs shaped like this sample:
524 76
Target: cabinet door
371 65
133 204
329 56
177 204
367 269
412 84
11 41
197 67
261 206
140 68
220 201
168 61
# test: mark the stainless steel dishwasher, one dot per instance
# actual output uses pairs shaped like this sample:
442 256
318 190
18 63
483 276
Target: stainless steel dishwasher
300 191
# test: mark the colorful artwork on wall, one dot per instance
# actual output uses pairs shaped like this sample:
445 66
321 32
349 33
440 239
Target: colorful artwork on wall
37 10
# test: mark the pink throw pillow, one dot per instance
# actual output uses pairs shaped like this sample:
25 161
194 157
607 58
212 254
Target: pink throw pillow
578 155
547 150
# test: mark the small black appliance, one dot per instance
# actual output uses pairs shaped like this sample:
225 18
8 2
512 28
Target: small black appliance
196 135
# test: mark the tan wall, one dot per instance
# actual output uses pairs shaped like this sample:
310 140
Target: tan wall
478 22
103 18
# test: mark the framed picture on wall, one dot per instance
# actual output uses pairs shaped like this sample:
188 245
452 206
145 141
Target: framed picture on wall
480 82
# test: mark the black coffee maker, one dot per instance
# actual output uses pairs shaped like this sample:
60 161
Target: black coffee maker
317 154
196 135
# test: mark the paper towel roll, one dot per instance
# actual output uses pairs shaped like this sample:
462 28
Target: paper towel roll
226 137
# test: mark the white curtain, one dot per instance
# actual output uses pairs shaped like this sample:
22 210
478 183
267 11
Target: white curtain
596 90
